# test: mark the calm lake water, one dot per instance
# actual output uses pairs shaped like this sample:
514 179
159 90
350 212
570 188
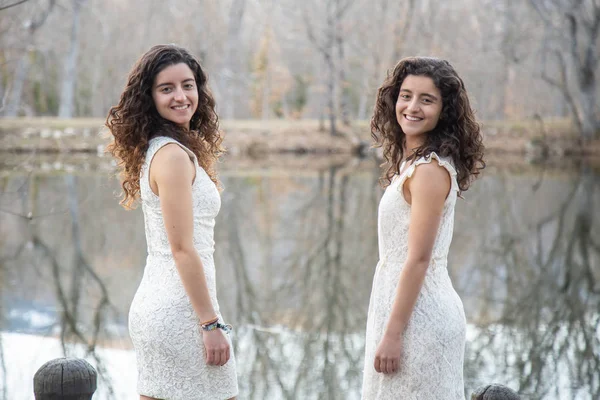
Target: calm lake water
296 249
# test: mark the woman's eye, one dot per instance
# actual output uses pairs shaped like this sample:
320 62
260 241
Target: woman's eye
189 86
166 90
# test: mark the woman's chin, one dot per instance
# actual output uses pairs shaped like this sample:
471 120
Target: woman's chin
182 122
413 133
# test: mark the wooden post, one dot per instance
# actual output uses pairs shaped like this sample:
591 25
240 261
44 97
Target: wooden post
65 379
495 392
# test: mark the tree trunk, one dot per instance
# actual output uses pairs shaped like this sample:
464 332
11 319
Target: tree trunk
508 101
362 102
402 29
98 104
266 94
586 63
329 62
576 23
343 94
230 67
65 378
13 106
2 99
322 119
331 94
587 111
67 94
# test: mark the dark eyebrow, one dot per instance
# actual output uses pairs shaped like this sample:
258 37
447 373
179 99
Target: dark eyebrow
424 94
430 95
169 83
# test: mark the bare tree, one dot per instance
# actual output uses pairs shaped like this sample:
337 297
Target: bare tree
572 39
538 290
402 28
70 70
341 87
230 70
13 105
337 52
383 40
324 36
512 50
13 4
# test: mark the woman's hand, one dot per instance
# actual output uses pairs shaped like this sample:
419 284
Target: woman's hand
216 346
387 356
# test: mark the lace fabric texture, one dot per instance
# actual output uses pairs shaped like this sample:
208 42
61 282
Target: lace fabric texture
163 326
431 365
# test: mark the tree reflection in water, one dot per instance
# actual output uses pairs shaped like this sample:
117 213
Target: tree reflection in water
303 319
542 275
81 299
296 249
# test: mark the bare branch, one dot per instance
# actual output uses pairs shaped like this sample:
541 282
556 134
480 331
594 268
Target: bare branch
12 5
590 60
562 85
311 33
402 29
542 12
342 8
35 25
573 30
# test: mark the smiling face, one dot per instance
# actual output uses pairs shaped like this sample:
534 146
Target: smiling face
418 108
175 94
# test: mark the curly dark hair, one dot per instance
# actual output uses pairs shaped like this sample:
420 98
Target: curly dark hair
456 135
135 120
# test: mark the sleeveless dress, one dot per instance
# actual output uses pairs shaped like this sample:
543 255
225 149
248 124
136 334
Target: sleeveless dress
163 326
431 364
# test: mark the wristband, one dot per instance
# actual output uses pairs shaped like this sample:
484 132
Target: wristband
217 325
210 321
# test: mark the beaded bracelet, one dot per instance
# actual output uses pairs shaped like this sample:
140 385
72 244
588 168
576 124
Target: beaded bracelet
217 325
210 321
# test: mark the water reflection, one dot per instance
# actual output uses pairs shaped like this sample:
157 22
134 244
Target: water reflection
296 248
301 266
535 294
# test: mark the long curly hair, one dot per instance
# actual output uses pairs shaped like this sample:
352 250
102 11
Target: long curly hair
456 135
135 120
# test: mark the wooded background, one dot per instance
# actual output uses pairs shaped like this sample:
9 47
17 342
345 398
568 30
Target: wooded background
305 58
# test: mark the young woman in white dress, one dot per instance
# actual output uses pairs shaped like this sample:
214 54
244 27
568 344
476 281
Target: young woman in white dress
433 149
166 141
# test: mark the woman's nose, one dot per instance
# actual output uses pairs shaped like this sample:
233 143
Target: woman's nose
413 105
179 95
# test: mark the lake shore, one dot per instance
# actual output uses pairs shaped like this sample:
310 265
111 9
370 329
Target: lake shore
278 164
534 138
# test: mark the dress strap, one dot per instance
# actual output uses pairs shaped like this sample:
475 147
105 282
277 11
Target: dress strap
158 142
442 161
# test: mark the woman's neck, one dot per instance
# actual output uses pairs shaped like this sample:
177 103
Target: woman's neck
410 146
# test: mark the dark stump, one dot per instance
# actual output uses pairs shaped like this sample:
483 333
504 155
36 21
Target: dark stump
495 392
65 379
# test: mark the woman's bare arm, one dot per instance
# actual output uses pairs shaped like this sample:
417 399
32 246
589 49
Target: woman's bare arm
173 172
427 189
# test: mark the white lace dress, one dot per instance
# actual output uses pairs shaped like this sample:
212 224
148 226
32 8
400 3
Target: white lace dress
431 365
163 326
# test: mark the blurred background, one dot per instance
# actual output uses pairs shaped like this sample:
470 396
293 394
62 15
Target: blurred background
296 239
